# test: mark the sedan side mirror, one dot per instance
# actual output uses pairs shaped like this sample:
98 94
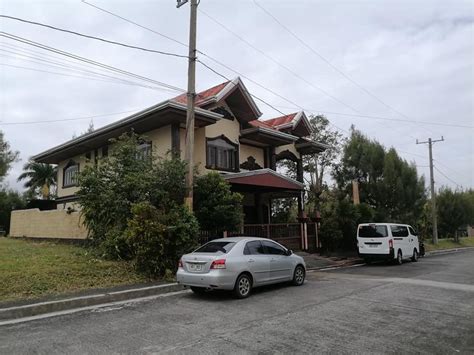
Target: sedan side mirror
289 252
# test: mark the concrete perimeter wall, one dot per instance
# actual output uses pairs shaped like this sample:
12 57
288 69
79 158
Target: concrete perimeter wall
59 224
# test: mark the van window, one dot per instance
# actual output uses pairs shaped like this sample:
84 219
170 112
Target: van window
373 231
399 231
412 231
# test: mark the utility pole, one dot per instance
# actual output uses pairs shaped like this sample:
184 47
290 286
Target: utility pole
434 212
191 96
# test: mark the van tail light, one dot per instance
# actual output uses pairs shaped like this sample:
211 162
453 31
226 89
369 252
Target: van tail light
390 243
218 264
180 264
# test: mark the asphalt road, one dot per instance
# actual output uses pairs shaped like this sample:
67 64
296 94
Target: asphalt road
425 307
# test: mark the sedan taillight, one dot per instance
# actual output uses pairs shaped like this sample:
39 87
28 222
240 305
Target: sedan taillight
218 264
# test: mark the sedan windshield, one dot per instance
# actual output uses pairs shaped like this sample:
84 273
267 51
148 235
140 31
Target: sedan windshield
214 247
373 231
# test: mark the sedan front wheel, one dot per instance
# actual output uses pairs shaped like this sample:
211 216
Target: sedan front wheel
299 275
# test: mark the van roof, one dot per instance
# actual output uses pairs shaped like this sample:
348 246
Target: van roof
385 224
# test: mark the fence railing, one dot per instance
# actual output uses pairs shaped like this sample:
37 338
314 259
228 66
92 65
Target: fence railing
288 234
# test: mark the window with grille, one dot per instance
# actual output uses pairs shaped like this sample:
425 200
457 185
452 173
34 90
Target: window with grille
222 154
144 150
70 173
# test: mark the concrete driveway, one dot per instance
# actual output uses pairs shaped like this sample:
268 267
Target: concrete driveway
425 307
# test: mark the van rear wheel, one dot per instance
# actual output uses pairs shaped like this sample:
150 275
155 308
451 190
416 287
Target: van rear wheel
399 260
414 258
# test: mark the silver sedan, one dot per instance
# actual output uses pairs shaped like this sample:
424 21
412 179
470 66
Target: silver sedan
239 264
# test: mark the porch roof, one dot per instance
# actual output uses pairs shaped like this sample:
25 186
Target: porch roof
263 180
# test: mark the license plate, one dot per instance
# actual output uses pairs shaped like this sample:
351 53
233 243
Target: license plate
373 246
195 267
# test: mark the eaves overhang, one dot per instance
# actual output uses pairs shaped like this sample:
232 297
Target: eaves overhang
267 136
153 117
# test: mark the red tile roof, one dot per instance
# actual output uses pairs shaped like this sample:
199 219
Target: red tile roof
258 123
203 95
274 122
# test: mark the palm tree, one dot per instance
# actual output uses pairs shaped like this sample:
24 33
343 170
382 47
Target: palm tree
40 177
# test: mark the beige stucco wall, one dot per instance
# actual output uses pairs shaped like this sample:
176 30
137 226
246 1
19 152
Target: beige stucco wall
290 147
59 224
228 128
160 140
257 153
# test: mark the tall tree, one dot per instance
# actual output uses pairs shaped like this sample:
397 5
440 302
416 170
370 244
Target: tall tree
7 156
388 184
455 210
40 178
317 165
9 200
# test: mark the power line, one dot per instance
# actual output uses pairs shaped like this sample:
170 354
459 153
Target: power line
447 177
319 55
279 63
83 59
135 23
89 74
226 78
93 37
387 118
207 56
65 119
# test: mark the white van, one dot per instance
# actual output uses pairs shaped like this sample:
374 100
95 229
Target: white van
389 241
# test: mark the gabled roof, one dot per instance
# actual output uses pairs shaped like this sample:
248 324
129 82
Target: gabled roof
296 123
203 96
234 92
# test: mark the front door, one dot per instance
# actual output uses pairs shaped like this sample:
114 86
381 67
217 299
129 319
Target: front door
280 265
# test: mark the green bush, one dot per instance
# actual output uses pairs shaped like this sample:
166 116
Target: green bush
158 239
217 208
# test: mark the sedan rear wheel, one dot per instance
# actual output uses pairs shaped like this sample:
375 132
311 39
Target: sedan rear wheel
299 275
243 286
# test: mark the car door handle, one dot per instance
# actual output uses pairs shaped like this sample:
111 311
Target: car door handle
251 260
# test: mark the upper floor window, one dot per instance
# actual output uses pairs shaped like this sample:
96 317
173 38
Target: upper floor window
70 172
143 150
222 154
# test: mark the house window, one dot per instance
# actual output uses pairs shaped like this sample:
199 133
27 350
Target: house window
222 154
144 150
70 172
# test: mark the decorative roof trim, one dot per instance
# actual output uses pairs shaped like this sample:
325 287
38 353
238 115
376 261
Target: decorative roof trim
228 89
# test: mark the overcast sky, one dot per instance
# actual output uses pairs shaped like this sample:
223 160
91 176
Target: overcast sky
416 56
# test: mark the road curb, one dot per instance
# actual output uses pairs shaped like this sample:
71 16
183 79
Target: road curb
338 265
35 309
445 251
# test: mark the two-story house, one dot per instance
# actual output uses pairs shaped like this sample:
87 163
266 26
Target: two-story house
229 138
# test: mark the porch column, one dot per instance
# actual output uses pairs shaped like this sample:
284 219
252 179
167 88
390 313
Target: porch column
299 170
258 206
272 158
